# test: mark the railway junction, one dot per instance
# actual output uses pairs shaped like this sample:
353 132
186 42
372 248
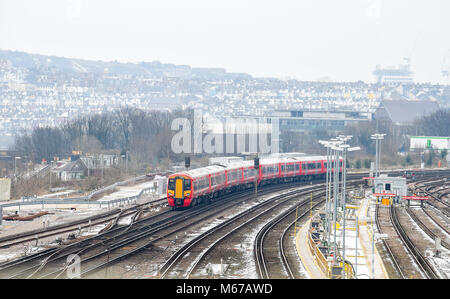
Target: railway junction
291 230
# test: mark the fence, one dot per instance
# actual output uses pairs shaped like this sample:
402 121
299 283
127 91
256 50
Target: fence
31 200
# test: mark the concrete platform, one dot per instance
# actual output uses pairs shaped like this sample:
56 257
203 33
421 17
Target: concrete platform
305 255
358 247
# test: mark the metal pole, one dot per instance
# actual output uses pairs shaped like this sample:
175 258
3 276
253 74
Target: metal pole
328 197
376 157
343 200
373 243
379 155
356 247
335 192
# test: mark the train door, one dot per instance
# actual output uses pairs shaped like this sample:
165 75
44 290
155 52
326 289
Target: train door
179 188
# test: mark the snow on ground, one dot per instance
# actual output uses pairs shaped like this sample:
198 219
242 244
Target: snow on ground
127 191
246 246
442 263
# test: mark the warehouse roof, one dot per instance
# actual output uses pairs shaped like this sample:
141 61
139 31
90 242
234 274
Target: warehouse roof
404 112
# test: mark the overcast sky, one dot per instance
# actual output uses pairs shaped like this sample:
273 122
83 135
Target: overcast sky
340 39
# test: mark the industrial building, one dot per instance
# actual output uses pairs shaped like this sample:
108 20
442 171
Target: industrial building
306 120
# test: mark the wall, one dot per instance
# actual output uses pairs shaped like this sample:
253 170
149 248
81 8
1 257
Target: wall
5 189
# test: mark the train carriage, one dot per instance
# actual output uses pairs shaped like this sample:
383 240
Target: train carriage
207 183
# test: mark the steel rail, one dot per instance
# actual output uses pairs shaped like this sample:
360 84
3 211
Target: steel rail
425 228
388 248
421 261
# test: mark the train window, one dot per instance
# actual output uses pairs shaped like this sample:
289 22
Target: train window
231 176
203 183
171 184
187 184
388 187
297 167
236 175
282 167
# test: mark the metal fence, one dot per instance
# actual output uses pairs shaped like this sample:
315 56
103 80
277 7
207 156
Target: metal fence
31 200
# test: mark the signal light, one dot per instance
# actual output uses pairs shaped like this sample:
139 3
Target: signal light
256 163
187 162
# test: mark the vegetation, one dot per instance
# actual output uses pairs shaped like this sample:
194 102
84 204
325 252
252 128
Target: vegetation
145 136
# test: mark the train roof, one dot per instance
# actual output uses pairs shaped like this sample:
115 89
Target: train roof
212 169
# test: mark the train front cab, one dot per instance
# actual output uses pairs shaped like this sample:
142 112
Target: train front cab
179 191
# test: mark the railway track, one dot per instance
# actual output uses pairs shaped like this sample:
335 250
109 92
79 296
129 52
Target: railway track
268 258
415 252
26 267
425 226
116 243
105 243
40 234
222 231
402 250
188 260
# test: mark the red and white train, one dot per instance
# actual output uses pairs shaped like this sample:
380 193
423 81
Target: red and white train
195 186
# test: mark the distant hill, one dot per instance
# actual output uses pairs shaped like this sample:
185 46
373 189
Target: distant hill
148 69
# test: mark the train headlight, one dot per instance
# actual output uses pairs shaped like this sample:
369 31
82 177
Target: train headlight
170 192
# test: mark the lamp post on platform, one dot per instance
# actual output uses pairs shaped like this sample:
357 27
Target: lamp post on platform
344 148
327 190
377 137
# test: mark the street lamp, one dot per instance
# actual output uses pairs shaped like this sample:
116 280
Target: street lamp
327 144
377 137
335 163
344 148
